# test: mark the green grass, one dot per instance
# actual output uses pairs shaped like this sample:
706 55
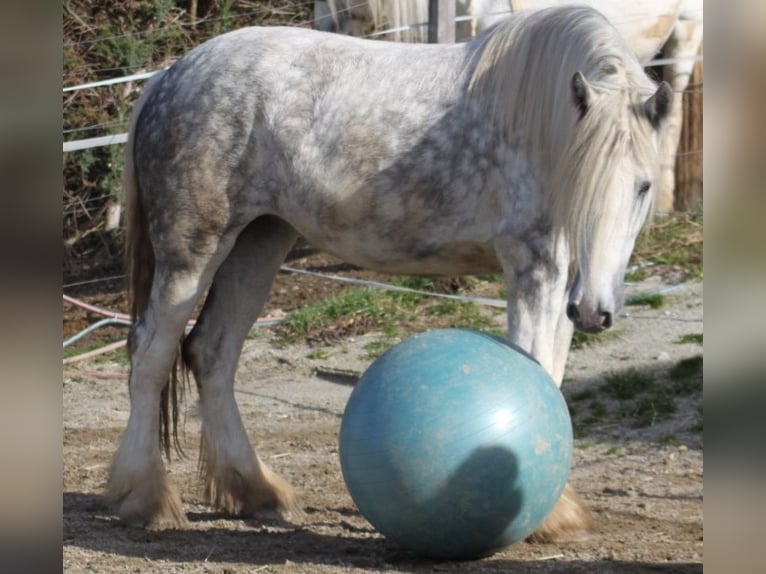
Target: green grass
642 399
686 368
653 300
319 355
461 314
582 340
119 355
417 283
669 440
654 408
371 307
691 338
627 384
397 314
638 274
673 240
583 395
598 410
375 349
686 376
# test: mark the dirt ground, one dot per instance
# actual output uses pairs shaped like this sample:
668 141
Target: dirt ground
643 484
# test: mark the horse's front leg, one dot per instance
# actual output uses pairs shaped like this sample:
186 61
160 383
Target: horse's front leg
535 278
562 341
537 322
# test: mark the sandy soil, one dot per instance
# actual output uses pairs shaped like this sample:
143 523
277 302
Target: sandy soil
644 484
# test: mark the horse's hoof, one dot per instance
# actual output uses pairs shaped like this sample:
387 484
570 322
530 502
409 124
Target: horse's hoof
258 491
149 501
568 522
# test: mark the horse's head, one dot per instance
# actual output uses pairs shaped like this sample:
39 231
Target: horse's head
609 179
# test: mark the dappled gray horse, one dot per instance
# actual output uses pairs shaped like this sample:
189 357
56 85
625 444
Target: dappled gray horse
532 149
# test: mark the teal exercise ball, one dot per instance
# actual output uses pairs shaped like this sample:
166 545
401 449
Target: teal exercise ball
454 444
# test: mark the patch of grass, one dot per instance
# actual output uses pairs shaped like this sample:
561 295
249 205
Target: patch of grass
579 429
365 308
691 338
419 283
397 314
643 400
656 407
591 420
119 356
669 440
684 387
614 450
582 340
636 398
583 395
319 355
686 376
375 349
686 368
636 275
598 409
597 412
256 333
673 240
446 308
653 300
627 384
461 314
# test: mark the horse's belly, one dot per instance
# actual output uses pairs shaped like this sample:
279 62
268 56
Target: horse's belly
413 258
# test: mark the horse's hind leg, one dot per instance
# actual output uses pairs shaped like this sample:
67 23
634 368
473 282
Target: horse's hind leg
236 481
138 484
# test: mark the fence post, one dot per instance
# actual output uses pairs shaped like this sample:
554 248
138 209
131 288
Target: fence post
441 21
688 191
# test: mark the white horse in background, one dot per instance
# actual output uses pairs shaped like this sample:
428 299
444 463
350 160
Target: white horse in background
670 28
531 150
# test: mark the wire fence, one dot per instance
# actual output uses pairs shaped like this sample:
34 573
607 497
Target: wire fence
343 8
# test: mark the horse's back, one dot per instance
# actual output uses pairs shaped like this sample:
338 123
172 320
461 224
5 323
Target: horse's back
353 142
275 97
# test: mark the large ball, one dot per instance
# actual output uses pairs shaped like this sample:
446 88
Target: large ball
454 444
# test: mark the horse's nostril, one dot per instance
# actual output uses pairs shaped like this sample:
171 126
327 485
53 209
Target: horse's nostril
606 319
572 312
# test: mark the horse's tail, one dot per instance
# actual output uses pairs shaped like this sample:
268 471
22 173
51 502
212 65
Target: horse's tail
139 254
139 263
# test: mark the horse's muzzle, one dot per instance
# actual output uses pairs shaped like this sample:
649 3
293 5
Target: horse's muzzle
599 321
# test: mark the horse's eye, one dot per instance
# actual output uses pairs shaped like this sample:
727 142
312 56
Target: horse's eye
644 187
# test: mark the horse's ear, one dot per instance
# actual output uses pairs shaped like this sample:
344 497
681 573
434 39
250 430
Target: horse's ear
658 106
582 93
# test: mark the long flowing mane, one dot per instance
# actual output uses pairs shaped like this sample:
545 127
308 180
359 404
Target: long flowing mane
520 72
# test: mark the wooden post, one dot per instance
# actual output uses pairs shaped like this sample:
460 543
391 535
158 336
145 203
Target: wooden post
441 21
688 194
